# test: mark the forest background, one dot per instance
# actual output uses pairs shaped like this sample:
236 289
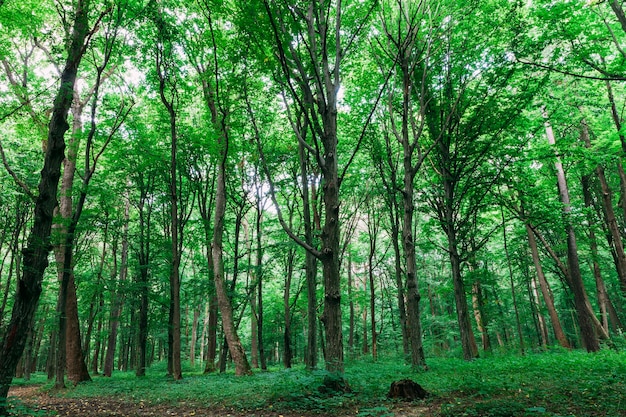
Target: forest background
252 183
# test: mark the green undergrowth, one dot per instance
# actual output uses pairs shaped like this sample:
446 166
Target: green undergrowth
549 384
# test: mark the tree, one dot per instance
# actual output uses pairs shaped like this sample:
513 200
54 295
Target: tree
588 333
311 73
38 248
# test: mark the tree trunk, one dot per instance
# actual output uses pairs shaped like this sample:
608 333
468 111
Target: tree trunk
545 339
468 342
76 365
118 299
479 315
373 229
242 367
395 239
414 324
609 214
35 257
287 351
310 263
259 280
351 309
194 336
588 333
144 255
67 293
520 335
254 336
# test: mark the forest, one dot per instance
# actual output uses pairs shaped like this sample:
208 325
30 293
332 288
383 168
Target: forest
228 186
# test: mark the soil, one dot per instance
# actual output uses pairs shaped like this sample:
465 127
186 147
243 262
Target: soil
46 404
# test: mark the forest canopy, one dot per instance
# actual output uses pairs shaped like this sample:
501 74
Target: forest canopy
243 183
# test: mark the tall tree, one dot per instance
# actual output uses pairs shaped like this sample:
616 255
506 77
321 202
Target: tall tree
409 49
38 247
311 72
588 332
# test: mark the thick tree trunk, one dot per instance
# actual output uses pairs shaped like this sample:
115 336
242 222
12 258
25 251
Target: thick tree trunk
76 365
330 245
588 333
72 350
35 259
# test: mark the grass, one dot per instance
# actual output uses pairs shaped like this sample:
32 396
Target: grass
550 384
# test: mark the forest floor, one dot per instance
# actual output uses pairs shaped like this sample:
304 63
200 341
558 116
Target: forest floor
554 383
37 403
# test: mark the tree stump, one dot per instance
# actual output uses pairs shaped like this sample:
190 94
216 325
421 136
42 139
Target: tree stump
407 390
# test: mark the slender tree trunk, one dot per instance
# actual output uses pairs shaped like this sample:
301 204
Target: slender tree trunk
400 294
365 349
543 328
242 367
479 316
351 308
559 334
373 228
609 213
520 335
588 333
145 190
468 342
118 299
212 331
254 336
259 279
287 350
310 263
95 362
38 247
